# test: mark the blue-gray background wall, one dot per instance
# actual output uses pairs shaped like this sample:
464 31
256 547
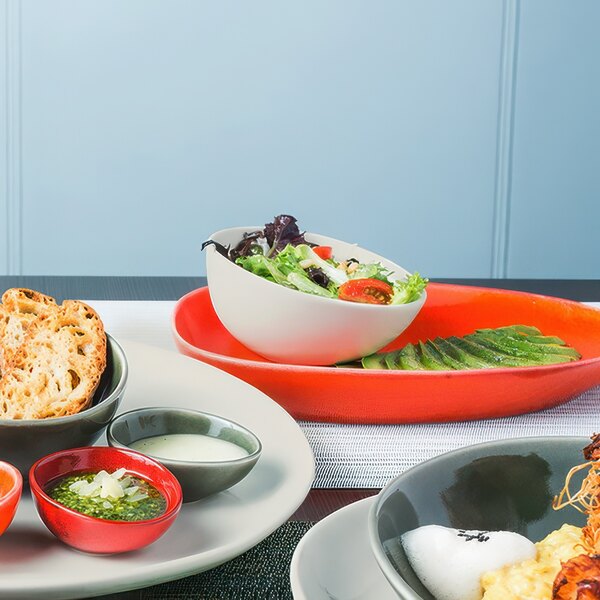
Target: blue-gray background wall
460 139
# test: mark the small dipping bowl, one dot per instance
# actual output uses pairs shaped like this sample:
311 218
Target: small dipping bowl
198 478
92 534
11 486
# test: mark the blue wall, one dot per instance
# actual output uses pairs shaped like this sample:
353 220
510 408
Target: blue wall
555 217
457 138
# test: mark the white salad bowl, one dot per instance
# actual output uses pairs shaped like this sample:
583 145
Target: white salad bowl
289 326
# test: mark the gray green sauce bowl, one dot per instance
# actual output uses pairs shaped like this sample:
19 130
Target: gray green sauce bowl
24 441
504 485
198 479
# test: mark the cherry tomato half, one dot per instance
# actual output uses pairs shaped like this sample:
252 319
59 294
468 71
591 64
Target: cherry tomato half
324 252
368 291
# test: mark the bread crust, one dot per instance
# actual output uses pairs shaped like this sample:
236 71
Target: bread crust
56 369
20 309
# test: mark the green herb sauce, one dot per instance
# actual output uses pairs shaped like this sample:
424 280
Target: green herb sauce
120 509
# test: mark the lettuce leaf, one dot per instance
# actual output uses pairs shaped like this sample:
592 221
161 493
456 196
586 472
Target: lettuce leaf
271 240
372 271
409 289
284 269
263 267
282 232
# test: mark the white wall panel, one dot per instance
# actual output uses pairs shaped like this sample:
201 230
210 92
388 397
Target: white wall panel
555 200
148 124
5 242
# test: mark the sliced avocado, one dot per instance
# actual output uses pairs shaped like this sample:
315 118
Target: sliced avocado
521 342
497 344
469 361
545 339
374 361
447 354
502 358
419 356
429 358
489 357
409 359
433 349
392 360
552 359
552 348
530 334
522 329
510 346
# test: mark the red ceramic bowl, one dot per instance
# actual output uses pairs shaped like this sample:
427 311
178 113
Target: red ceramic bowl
91 534
11 485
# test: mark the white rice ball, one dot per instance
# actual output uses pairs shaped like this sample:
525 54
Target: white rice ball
450 562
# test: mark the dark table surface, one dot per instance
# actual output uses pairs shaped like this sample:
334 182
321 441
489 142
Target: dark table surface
172 288
319 503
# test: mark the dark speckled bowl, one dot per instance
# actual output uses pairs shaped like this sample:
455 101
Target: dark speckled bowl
504 485
23 442
198 479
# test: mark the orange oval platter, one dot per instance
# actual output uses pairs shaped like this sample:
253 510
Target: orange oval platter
347 395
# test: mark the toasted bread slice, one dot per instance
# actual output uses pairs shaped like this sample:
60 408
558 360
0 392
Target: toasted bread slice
56 370
20 309
27 302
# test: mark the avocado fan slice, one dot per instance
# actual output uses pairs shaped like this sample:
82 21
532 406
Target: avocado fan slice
392 360
500 343
505 355
489 357
549 345
533 337
545 339
409 359
527 359
509 346
429 358
449 355
374 361
524 329
467 360
522 343
501 346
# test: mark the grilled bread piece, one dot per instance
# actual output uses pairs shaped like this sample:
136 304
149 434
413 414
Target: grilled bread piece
20 308
57 368
24 301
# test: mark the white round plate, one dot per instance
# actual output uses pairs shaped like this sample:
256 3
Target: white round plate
333 561
206 533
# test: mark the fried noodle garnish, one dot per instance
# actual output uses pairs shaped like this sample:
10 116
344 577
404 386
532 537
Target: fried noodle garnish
587 499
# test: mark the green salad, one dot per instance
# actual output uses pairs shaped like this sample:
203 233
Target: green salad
280 254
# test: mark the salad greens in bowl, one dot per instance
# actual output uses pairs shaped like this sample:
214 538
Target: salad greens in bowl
352 302
281 254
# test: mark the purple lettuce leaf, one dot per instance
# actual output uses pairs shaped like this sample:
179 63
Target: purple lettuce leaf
281 232
276 236
247 246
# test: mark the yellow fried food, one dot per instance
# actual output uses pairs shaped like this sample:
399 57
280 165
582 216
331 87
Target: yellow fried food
533 579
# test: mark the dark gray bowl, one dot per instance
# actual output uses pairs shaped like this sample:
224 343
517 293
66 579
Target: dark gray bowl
24 441
197 479
505 485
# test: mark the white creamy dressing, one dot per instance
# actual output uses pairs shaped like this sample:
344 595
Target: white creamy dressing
190 447
450 562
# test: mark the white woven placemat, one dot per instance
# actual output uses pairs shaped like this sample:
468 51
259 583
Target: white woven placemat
368 456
